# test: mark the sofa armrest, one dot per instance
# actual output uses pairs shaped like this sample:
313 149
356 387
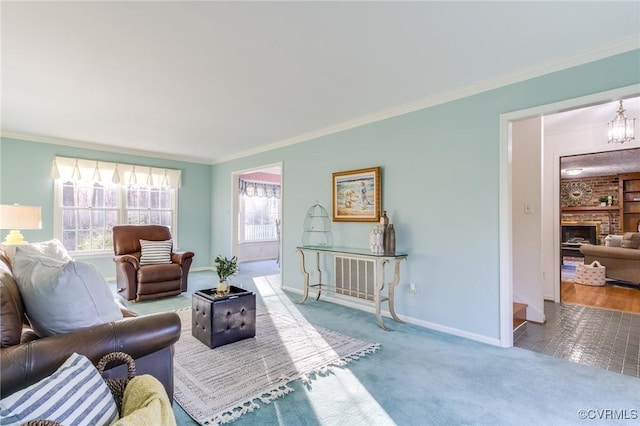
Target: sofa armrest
27 363
181 256
184 259
610 252
126 269
127 258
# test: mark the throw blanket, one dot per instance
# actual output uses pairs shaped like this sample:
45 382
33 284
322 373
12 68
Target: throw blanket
145 402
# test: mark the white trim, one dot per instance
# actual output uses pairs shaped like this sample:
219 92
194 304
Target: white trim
506 237
600 52
506 234
235 204
425 324
260 168
102 147
597 53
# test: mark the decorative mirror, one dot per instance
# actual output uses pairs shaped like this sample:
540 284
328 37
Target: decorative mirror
575 194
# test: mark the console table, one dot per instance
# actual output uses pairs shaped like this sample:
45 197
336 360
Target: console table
380 261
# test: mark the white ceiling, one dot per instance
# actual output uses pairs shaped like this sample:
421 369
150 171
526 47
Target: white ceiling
602 163
624 160
209 81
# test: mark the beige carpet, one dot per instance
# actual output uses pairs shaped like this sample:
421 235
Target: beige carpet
219 385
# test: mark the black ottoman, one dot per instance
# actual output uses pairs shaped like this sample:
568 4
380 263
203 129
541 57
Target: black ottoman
218 320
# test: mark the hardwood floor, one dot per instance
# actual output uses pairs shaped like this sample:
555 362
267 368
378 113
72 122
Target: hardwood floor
614 297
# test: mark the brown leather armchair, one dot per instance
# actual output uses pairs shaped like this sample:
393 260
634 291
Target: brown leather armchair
141 282
26 359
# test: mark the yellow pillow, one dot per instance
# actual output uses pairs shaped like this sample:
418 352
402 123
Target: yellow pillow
145 402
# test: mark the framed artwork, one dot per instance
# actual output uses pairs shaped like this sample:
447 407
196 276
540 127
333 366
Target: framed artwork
356 195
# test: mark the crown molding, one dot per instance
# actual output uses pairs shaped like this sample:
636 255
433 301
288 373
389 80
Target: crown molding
101 147
604 51
584 57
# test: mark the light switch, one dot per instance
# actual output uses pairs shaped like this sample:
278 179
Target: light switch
528 208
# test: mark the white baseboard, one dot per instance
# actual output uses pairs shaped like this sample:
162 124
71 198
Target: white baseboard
367 307
202 268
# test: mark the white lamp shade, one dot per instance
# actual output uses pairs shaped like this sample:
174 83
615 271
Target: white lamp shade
20 217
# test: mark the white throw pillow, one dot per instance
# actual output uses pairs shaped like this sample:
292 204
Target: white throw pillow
613 241
52 248
155 252
61 297
75 394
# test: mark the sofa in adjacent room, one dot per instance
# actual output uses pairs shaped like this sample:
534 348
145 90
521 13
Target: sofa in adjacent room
621 262
26 358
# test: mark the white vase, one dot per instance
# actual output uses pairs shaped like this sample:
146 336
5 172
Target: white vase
376 240
223 288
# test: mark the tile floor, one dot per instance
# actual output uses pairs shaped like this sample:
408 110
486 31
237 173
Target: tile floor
597 337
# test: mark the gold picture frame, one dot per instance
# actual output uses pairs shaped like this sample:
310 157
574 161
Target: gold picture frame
357 195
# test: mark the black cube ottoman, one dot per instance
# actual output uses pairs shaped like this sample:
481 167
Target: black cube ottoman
219 320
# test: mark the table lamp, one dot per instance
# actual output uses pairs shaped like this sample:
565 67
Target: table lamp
15 218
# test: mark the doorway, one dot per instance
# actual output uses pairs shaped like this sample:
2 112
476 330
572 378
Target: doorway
257 213
593 212
548 229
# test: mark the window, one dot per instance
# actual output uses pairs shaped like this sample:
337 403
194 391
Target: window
259 216
88 205
259 210
149 205
89 211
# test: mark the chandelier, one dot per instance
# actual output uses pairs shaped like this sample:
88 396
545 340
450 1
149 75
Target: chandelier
621 129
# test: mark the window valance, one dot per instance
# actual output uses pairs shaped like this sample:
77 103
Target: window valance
258 189
79 169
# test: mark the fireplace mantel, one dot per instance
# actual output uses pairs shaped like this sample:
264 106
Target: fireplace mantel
591 209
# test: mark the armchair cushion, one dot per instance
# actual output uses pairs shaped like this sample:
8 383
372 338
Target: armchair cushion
159 273
60 297
155 252
74 394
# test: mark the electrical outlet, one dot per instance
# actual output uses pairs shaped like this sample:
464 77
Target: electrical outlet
412 288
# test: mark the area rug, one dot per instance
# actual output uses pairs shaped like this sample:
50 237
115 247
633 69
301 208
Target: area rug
218 385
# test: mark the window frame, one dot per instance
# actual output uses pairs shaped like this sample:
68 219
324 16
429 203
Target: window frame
241 221
122 216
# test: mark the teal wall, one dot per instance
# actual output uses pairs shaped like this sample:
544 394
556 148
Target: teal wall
25 178
440 187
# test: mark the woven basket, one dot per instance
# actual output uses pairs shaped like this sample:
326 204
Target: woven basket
116 386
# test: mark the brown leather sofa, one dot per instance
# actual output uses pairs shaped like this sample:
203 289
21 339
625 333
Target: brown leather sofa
136 282
25 359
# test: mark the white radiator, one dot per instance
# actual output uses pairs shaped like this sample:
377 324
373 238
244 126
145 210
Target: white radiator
355 277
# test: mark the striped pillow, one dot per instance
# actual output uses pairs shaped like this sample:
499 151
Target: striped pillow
154 252
75 394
